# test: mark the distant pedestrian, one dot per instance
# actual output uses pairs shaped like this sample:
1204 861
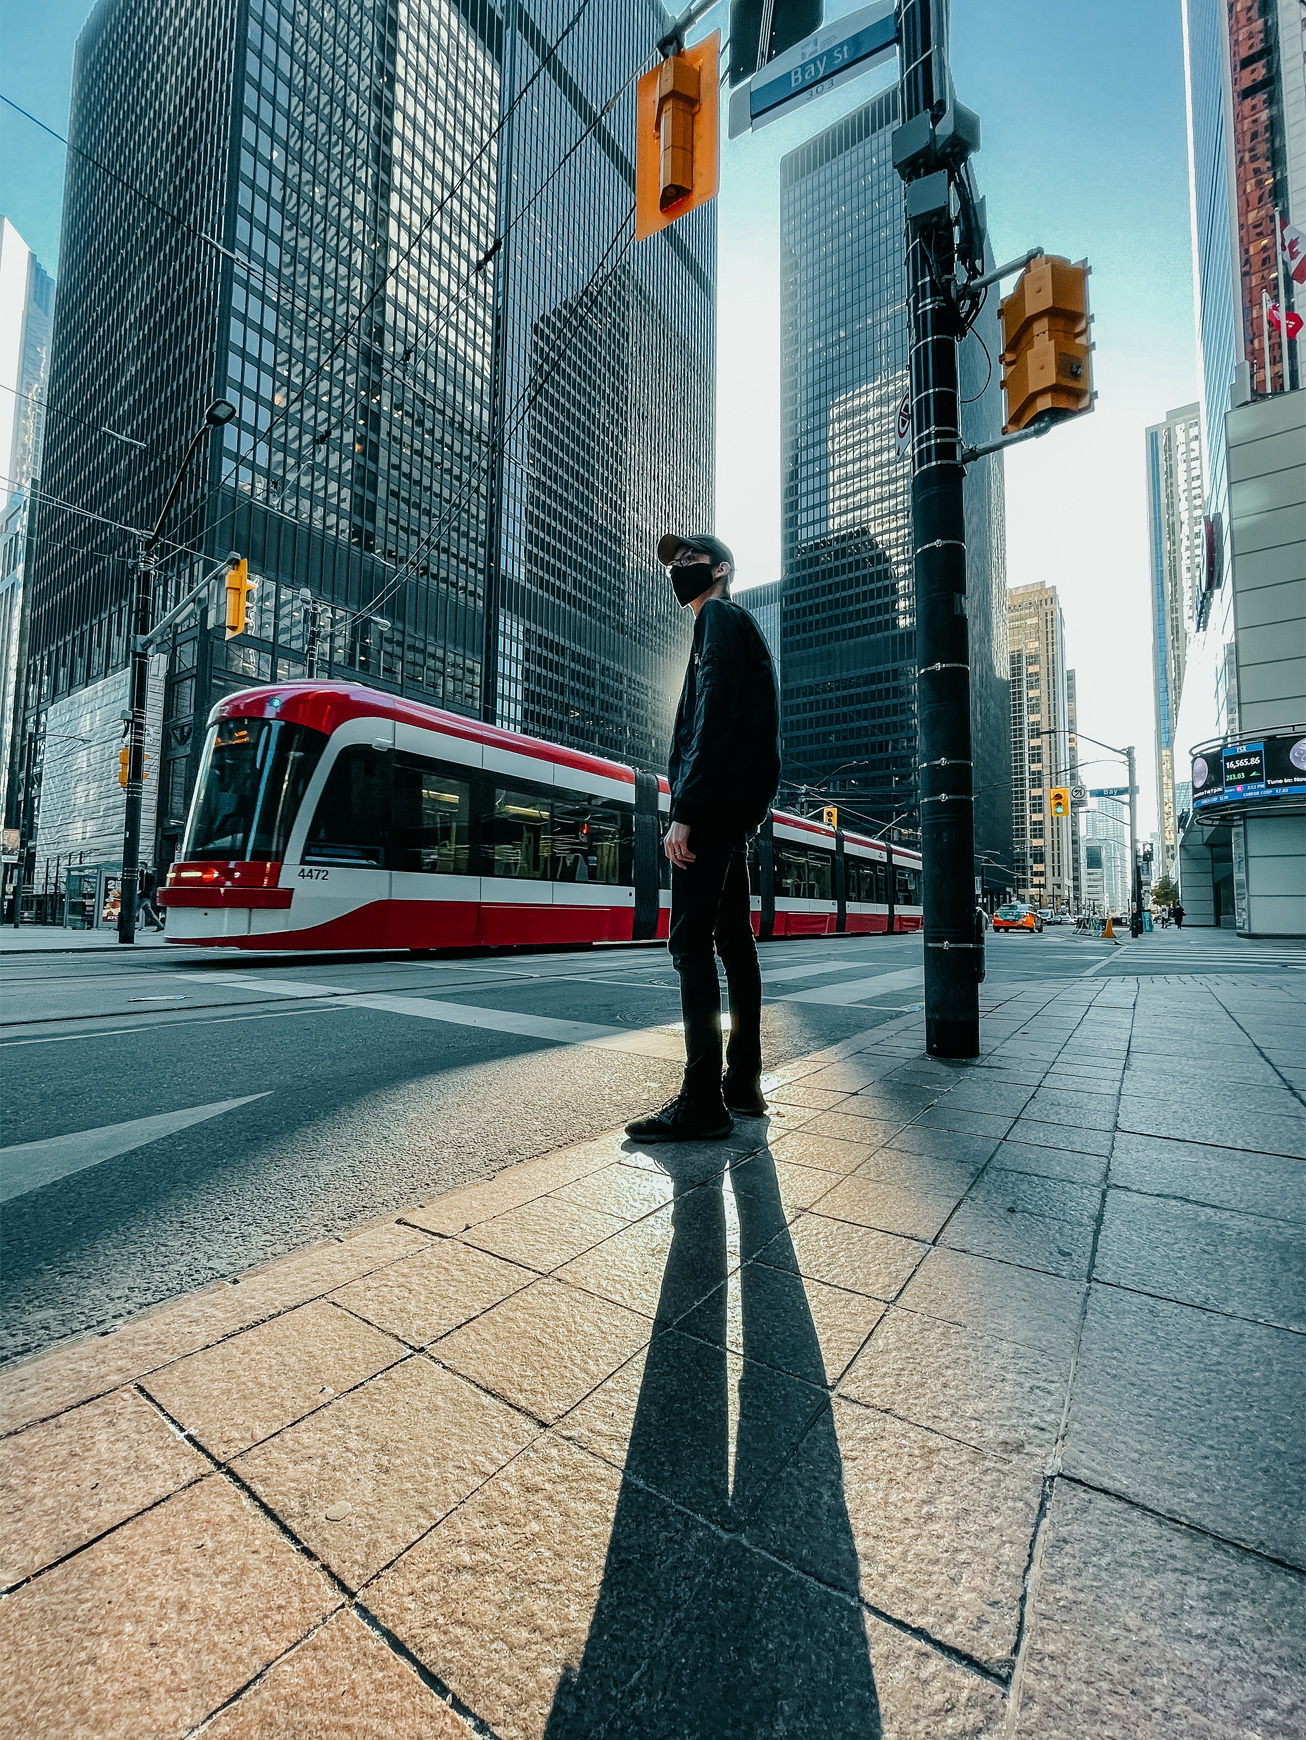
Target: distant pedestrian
145 903
1178 912
724 770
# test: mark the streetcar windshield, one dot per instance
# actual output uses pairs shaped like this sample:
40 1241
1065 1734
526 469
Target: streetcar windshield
252 782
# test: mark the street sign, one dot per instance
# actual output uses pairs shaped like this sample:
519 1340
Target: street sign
814 67
1110 791
1078 796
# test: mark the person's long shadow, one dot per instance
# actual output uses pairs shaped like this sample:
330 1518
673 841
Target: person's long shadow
695 1634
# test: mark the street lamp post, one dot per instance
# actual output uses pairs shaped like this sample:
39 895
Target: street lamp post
218 413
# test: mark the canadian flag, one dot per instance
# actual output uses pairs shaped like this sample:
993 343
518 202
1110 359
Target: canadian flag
1291 323
1292 244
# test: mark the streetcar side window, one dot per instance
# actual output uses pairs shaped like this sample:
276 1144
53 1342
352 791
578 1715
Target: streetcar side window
804 875
593 840
820 875
430 818
351 823
520 835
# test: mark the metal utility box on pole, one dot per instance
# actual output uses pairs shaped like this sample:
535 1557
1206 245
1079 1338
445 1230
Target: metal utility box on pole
935 138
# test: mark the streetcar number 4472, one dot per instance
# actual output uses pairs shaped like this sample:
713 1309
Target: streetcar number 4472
313 875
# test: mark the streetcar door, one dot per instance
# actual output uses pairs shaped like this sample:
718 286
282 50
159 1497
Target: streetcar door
344 877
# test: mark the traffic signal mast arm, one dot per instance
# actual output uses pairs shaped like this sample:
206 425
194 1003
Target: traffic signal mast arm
144 643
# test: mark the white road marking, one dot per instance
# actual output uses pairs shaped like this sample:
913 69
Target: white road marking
28 1165
643 1041
856 989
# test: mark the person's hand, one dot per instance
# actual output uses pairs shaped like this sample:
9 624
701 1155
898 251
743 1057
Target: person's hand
676 845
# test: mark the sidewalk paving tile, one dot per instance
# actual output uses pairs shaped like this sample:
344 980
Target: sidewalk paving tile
955 1145
158 1623
763 1175
546 1347
626 1191
975 1095
1040 1134
253 1384
946 1116
1152 1115
341 1682
426 1295
916 1208
1195 1415
940 1532
846 1077
799 1094
632 1267
1066 1163
697 1423
1265 1184
498 1600
1235 1263
1041 1223
1058 1105
400 1452
544 1233
69 1479
824 1153
780 1318
1141 1627
853 1127
999 1299
843 1254
41 1388
998 1395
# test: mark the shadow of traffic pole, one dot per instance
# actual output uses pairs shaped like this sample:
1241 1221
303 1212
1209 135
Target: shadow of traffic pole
695 1634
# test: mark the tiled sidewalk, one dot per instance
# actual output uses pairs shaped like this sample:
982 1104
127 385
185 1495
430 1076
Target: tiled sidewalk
948 1401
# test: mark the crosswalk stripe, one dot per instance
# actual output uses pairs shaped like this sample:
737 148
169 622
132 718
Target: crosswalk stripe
854 990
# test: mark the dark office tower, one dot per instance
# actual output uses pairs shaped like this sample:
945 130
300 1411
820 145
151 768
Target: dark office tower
848 640
390 246
604 403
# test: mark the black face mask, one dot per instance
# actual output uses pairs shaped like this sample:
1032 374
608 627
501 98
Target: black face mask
690 580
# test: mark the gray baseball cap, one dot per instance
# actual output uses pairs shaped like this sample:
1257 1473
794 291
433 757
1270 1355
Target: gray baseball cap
671 543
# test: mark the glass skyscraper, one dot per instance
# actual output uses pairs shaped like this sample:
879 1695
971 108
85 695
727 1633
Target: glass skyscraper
848 640
397 235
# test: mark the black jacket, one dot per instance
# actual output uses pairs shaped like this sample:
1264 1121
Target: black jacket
725 748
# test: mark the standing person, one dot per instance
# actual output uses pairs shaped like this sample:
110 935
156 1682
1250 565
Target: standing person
1177 912
724 771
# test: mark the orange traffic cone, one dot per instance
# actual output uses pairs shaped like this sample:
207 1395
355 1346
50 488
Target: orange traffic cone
1109 932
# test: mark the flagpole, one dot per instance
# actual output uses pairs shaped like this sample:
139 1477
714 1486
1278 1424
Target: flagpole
1265 339
1283 298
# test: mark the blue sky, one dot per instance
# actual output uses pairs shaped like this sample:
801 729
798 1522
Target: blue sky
1083 153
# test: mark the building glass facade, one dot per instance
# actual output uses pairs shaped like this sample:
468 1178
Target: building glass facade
1041 748
848 641
403 304
1176 547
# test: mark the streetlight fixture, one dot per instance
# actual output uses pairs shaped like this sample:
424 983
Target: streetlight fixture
219 413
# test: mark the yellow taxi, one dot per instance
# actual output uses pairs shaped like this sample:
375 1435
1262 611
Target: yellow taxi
1016 918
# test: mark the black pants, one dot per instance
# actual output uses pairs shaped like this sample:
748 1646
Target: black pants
710 912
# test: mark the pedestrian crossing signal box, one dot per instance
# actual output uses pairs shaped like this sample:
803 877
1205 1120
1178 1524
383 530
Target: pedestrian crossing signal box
830 816
677 136
1060 800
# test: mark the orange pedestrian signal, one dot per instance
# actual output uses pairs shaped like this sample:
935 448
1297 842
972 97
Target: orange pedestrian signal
1046 353
1060 800
830 816
124 762
677 136
239 587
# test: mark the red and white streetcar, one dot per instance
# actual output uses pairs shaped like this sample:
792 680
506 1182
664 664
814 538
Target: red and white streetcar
332 816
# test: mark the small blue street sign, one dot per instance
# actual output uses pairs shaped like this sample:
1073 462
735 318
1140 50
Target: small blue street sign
814 67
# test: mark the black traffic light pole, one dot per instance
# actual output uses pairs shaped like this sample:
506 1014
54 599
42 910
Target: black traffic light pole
218 413
935 134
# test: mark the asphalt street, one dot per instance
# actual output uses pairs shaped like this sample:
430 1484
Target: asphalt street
176 1116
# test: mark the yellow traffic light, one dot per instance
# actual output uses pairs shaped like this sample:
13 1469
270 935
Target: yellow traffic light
239 587
1060 800
1046 352
124 762
677 137
830 816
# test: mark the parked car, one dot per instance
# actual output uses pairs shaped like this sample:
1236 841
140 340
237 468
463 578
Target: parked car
1016 918
1051 916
